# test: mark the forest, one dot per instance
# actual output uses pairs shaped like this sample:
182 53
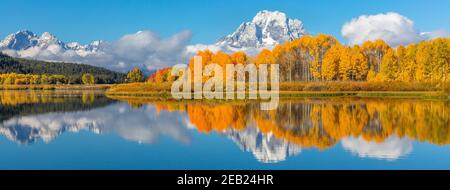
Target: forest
323 58
42 72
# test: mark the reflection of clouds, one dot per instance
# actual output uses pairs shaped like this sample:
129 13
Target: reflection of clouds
391 148
265 147
141 125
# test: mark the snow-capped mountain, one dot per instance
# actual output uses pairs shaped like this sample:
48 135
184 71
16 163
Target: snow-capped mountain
26 40
265 147
19 41
268 28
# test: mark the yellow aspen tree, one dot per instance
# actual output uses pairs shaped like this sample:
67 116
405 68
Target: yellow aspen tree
345 65
331 62
359 64
389 67
239 57
440 59
423 61
374 52
322 43
400 52
264 57
407 63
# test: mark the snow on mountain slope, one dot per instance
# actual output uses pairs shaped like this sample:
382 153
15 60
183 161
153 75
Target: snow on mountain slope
267 29
26 40
19 41
265 147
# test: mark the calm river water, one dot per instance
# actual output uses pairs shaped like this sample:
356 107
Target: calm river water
87 130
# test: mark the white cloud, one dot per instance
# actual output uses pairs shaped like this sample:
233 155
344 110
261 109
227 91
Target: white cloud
391 148
193 49
392 27
147 48
436 34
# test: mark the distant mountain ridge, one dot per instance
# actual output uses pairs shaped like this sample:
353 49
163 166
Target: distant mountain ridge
25 39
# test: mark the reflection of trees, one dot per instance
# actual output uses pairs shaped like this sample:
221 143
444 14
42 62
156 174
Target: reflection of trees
88 97
20 103
217 117
321 123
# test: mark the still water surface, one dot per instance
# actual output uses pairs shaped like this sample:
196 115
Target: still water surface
87 130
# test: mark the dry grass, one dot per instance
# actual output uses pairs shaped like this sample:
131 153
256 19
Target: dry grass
310 89
308 86
364 86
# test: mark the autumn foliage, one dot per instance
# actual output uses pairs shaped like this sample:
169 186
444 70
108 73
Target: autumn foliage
162 75
324 58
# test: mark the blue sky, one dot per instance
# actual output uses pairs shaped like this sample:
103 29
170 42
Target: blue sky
88 20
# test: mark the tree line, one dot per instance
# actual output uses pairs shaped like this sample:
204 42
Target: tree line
19 79
324 58
72 72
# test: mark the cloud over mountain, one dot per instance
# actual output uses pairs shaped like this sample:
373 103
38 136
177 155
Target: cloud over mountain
391 27
144 49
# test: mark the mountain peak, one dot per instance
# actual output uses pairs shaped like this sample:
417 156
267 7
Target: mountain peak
265 16
47 36
25 32
25 39
267 29
20 40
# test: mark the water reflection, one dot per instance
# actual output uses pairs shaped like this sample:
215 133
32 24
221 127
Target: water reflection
140 125
374 128
368 128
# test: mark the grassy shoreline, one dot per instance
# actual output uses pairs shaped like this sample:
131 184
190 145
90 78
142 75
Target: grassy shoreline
310 89
287 90
57 87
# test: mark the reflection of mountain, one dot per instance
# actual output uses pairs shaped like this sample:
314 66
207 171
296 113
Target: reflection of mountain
140 125
19 107
265 147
